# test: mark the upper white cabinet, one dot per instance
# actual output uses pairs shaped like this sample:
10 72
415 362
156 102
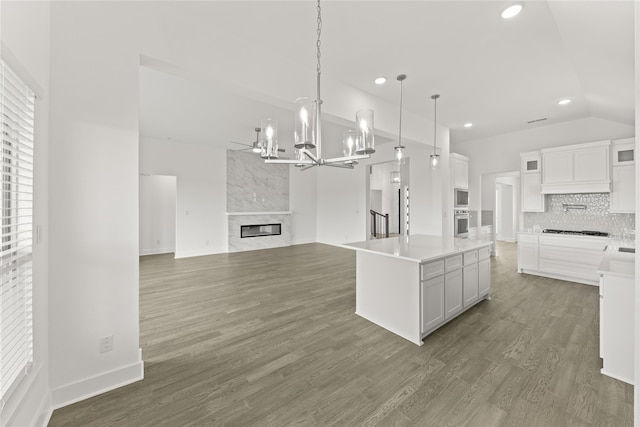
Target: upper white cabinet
460 171
623 171
580 168
531 168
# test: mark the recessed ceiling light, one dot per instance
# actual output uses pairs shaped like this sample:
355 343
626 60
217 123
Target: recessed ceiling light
380 80
564 101
512 10
468 124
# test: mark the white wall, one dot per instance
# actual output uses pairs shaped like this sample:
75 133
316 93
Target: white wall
25 38
157 214
506 209
201 226
342 194
501 153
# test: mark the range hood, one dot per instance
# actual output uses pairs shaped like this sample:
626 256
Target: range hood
577 187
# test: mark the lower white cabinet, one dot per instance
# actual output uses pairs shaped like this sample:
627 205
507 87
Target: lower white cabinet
484 273
432 302
573 258
452 293
617 327
470 284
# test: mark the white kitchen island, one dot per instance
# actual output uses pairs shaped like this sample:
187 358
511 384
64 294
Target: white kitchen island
617 330
411 285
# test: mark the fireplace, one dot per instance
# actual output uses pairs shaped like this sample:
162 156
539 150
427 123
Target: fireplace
260 230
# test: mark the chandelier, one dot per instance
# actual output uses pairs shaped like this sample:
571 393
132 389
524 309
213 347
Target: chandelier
357 144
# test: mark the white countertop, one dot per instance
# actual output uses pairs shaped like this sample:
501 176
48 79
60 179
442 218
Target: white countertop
618 264
571 236
419 247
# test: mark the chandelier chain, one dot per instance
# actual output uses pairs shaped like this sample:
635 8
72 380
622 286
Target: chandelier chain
400 130
319 32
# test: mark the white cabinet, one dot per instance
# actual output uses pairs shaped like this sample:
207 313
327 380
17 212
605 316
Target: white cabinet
484 272
573 258
532 199
527 252
452 293
432 303
470 284
623 152
617 327
623 185
580 168
460 170
623 189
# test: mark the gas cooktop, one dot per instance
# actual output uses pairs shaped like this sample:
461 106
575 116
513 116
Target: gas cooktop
576 232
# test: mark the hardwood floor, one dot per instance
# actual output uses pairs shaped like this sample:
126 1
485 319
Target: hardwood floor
270 338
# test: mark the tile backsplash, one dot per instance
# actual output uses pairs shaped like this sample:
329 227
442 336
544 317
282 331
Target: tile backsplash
596 216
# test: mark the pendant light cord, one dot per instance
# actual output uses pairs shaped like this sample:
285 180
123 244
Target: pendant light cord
319 32
435 117
400 130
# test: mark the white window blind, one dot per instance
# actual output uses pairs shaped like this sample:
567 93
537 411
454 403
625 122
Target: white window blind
16 327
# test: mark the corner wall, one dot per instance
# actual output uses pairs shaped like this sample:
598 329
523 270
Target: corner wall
25 37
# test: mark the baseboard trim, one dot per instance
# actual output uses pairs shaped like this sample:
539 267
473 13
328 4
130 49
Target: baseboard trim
156 251
189 254
93 386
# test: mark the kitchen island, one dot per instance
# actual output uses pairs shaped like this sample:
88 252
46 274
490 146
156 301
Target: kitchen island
617 312
411 285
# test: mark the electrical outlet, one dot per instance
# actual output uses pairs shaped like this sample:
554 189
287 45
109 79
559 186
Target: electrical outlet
106 344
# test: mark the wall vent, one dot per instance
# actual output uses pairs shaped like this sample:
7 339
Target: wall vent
537 120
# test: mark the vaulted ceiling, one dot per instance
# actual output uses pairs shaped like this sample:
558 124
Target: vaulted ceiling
498 74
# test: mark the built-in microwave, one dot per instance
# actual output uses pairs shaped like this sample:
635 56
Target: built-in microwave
460 198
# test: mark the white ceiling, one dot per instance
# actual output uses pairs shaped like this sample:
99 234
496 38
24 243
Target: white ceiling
498 74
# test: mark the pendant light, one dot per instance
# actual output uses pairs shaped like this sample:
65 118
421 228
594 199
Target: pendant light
257 145
435 157
400 148
308 120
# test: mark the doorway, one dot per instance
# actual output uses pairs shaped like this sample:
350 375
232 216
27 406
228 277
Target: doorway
499 217
158 201
388 203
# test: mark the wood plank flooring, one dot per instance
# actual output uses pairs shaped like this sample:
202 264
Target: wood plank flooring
270 338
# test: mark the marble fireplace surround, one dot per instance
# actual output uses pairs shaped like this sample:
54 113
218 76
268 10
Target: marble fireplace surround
257 194
238 219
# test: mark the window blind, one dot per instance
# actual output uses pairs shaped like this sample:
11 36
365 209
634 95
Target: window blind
17 105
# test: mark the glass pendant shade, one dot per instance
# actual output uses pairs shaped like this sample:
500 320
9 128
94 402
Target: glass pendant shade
364 126
304 117
399 153
350 142
435 159
395 177
270 139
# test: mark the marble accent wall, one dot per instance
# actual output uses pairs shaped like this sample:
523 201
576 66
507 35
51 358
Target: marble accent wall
237 244
254 186
596 217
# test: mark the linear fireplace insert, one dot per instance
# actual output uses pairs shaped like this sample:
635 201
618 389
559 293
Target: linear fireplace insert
260 230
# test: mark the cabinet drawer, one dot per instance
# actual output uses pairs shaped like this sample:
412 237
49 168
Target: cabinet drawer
527 238
470 257
431 269
484 253
453 262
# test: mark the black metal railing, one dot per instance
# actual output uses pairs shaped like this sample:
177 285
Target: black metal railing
379 224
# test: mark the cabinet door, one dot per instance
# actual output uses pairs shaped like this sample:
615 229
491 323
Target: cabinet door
432 303
531 164
623 189
484 277
623 152
532 197
452 293
460 173
470 284
591 164
558 167
527 256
